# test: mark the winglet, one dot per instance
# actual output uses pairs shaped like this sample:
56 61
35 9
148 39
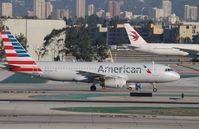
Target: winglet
134 37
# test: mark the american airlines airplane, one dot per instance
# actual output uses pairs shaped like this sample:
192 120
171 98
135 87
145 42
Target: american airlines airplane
114 75
139 44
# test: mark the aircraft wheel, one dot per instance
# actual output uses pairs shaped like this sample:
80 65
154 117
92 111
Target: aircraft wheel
138 86
93 88
155 89
130 88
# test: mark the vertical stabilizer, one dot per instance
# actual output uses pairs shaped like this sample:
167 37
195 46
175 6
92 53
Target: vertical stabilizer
17 57
134 37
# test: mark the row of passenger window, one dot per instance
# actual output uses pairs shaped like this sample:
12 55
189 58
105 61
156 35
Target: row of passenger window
168 70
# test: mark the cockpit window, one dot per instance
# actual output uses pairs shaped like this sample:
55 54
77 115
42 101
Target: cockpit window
168 70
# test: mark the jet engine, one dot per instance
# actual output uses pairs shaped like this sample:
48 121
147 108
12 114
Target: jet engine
115 82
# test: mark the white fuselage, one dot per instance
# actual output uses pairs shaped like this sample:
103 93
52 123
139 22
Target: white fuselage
131 72
167 49
139 44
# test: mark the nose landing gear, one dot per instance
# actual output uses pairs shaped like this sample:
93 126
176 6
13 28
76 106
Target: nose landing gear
154 87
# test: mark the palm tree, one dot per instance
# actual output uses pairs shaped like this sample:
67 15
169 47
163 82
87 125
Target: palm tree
187 40
55 44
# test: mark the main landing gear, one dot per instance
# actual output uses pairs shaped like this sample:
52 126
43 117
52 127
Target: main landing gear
93 88
138 86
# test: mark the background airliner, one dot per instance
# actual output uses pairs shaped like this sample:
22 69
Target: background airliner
139 44
106 74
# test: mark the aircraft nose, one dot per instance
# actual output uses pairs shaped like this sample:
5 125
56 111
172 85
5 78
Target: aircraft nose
176 76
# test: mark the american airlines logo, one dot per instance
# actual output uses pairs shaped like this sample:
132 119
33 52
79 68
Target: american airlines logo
134 35
147 69
122 69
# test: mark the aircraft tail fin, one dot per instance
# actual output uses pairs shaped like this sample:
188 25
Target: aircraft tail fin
17 57
134 37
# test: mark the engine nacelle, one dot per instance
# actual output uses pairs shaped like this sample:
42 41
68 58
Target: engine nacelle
115 83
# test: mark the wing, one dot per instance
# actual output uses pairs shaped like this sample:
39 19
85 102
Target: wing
97 76
130 46
192 53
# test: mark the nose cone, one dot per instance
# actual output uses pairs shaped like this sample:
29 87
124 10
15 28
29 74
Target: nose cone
175 76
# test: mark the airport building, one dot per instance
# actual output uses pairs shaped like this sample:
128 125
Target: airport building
114 8
190 13
128 15
35 31
173 19
81 8
110 7
49 9
39 9
65 13
91 9
188 31
158 14
61 13
100 13
7 9
117 35
167 7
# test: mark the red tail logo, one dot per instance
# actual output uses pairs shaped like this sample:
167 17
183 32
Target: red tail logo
135 35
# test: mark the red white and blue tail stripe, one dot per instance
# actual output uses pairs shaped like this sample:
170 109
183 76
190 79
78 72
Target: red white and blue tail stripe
17 57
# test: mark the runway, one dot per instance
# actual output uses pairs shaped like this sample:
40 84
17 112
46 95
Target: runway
38 115
96 122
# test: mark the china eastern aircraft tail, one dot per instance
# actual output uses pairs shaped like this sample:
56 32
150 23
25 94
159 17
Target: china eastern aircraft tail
133 36
173 49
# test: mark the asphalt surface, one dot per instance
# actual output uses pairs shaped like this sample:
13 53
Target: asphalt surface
34 114
39 116
96 122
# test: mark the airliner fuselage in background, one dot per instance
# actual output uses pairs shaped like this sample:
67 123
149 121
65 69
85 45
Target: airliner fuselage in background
139 44
106 74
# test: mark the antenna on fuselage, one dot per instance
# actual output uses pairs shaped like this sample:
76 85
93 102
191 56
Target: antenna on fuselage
153 63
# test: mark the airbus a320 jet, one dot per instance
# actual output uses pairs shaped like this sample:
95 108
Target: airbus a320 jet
114 75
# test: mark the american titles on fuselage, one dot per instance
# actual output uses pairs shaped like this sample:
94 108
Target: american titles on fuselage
120 69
